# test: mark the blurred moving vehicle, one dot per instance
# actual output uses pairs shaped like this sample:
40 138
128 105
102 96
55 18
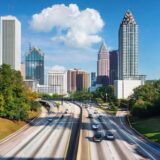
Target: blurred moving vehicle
98 136
95 112
50 119
95 126
109 135
66 111
90 115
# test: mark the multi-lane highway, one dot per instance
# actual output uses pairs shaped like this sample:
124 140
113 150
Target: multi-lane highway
48 138
68 134
127 145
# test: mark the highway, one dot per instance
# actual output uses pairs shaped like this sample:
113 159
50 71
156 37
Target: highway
53 136
126 146
44 139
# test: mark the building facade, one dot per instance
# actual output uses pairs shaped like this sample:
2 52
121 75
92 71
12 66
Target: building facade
128 48
10 42
113 66
93 78
128 78
23 72
82 80
71 80
77 80
103 65
34 62
58 80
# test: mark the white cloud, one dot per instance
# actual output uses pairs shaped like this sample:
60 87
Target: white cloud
74 27
58 67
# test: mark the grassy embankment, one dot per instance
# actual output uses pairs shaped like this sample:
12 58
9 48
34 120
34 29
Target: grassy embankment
7 127
107 110
150 128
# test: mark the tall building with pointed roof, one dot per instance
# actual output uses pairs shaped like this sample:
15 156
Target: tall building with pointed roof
128 48
103 65
34 62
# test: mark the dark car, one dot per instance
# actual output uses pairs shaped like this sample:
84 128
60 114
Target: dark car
98 136
90 115
50 119
109 135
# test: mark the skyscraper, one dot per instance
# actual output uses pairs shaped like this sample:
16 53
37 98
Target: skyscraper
113 66
77 79
34 62
128 78
58 80
71 80
82 80
93 78
10 42
103 65
128 47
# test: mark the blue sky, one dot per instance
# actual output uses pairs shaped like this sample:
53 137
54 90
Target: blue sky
57 43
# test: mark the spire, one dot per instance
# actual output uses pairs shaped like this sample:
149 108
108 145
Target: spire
128 18
103 48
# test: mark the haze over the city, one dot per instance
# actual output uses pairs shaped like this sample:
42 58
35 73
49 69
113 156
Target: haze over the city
59 37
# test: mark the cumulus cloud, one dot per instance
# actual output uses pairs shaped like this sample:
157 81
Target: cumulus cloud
74 27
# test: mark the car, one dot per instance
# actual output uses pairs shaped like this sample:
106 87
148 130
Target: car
95 126
90 115
50 119
109 135
95 112
66 111
100 117
98 136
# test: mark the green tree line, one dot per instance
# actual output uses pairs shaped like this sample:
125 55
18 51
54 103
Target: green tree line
16 100
145 102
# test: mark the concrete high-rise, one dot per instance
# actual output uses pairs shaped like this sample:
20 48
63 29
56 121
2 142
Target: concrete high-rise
10 42
34 62
71 80
58 80
128 78
103 65
82 80
113 66
77 79
128 48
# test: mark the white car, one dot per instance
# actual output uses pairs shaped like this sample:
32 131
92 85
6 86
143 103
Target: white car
95 126
109 135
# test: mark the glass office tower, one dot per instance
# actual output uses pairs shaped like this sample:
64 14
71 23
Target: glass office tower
35 65
128 48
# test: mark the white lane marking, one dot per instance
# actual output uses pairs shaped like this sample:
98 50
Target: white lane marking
127 134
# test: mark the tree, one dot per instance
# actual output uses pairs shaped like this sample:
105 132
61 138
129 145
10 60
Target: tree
58 105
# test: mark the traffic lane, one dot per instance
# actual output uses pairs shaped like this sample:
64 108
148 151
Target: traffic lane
128 139
29 145
143 145
98 150
54 145
116 151
11 142
117 147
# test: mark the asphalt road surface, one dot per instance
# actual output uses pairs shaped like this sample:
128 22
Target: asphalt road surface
44 139
53 136
126 146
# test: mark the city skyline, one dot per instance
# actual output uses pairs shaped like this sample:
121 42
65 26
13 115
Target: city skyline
108 30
